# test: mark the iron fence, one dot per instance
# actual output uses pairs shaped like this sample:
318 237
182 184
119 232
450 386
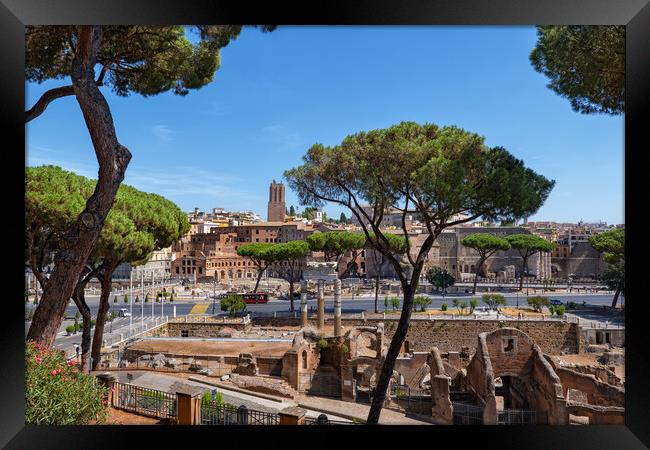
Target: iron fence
516 417
148 402
324 420
467 414
411 399
213 413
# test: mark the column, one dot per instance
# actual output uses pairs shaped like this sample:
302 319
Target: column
321 305
337 307
303 303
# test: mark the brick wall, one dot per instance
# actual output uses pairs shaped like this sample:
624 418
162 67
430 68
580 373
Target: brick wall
553 337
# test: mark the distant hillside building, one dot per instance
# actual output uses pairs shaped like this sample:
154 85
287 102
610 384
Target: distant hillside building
277 208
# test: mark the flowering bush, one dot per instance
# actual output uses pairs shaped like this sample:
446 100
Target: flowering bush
57 393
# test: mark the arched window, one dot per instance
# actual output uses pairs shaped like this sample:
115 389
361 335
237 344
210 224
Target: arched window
304 359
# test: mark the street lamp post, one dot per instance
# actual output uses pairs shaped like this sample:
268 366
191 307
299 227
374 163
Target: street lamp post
131 301
154 300
142 301
214 292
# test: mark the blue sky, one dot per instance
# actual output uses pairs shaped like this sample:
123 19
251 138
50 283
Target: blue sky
278 93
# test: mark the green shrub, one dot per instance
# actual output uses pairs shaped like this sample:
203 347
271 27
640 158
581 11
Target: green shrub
472 305
146 298
443 307
494 300
394 302
126 299
538 302
171 298
422 301
137 299
385 303
322 343
77 316
57 393
233 303
551 309
560 310
70 329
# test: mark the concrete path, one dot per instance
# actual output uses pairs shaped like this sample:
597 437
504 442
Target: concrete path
355 410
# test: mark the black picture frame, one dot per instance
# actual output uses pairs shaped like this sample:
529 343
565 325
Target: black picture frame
635 14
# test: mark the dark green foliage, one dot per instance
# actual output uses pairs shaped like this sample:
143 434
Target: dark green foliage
493 301
559 310
233 304
472 305
440 278
56 393
394 302
126 298
422 301
460 305
292 211
147 60
611 244
444 306
538 302
335 243
585 64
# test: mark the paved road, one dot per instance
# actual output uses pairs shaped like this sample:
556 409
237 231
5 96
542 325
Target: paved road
358 304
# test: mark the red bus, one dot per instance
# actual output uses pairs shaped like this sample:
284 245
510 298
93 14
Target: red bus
250 298
259 297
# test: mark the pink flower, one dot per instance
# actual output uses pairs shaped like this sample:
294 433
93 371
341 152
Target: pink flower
38 360
54 372
72 362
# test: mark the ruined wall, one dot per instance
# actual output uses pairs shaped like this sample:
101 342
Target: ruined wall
409 367
480 381
450 335
208 329
598 393
549 398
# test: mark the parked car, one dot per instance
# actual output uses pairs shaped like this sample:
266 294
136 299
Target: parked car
555 302
124 313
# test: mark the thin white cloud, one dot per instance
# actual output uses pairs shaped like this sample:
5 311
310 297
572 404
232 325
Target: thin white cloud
85 170
186 181
218 109
281 138
163 133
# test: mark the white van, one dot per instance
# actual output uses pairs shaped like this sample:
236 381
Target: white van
124 313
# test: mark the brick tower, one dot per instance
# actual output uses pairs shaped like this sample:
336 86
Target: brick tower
277 208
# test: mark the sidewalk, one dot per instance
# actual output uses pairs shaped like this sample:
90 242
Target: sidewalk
335 409
357 411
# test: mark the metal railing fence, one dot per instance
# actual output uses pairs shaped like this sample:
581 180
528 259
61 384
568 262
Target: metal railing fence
144 401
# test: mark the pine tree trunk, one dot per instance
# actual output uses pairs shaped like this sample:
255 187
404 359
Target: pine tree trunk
377 294
113 159
478 269
391 356
524 269
291 292
259 277
79 298
616 294
104 305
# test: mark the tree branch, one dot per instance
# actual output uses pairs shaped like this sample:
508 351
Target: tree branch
46 99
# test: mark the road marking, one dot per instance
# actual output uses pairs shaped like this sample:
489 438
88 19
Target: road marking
200 308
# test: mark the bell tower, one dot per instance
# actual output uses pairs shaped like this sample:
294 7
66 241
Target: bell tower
276 209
